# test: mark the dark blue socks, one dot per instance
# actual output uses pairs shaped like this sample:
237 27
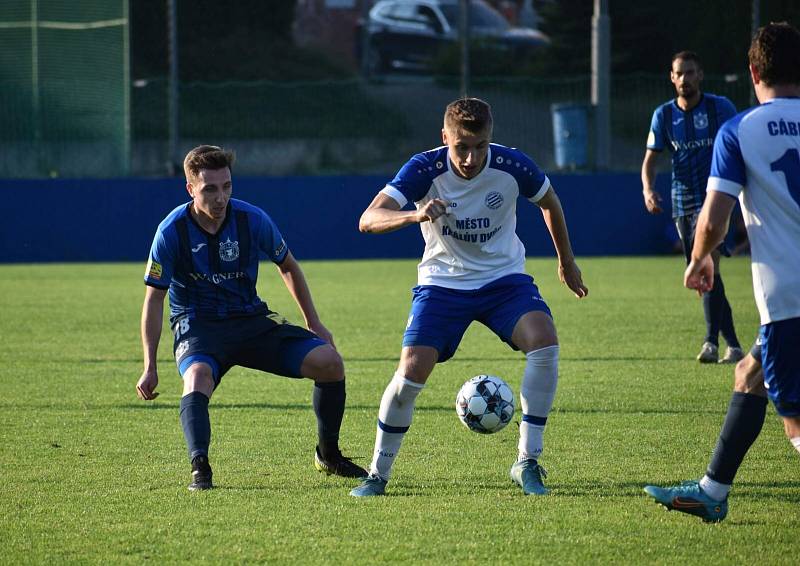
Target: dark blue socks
328 401
196 424
743 422
719 317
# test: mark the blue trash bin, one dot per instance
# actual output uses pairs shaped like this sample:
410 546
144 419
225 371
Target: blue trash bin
571 135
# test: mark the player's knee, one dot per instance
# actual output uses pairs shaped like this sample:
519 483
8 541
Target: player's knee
791 426
325 364
539 341
748 377
534 331
198 377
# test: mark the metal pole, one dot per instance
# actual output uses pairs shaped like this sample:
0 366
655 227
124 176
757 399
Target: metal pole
172 88
35 100
126 92
365 46
601 83
463 35
755 23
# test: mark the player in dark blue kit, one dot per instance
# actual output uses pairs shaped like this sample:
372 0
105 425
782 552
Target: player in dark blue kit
206 253
686 126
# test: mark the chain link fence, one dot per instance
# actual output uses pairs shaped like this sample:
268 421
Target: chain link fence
332 127
64 102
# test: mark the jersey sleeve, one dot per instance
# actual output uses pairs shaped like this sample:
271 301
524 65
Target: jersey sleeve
655 138
270 240
412 182
533 183
161 263
728 172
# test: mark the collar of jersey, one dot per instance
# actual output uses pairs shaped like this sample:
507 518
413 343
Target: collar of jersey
462 179
208 234
693 108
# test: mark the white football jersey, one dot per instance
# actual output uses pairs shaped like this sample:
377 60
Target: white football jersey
757 159
476 242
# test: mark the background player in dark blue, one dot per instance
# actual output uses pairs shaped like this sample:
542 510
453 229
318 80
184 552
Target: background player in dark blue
206 254
686 126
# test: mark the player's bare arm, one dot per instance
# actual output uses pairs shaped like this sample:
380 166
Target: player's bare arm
296 283
712 225
652 200
384 215
152 319
568 271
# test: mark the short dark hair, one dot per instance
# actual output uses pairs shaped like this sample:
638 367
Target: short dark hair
775 54
206 157
687 56
471 114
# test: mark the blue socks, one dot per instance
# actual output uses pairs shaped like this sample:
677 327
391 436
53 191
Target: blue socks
196 424
743 422
719 318
328 401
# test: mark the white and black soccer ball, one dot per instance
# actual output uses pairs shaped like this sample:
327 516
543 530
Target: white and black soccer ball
485 404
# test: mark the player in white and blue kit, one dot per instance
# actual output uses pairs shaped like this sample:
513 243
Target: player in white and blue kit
473 269
205 254
686 126
757 159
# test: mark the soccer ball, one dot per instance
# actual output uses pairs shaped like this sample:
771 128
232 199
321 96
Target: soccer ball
485 404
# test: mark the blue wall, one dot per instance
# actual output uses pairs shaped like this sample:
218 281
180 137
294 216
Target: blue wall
114 220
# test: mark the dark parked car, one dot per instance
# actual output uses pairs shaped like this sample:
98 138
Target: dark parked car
410 34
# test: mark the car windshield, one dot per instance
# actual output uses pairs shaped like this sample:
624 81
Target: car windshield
480 16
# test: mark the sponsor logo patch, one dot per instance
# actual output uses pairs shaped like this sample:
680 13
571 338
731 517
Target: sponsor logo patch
181 349
280 248
154 269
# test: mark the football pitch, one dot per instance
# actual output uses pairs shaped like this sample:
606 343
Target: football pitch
92 474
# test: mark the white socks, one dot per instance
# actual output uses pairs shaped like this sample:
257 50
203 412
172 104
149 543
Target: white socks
537 392
714 489
394 418
795 442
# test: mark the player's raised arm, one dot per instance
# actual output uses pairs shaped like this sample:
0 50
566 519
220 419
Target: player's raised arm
384 214
152 319
568 271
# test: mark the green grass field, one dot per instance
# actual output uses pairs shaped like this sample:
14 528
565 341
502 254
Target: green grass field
91 474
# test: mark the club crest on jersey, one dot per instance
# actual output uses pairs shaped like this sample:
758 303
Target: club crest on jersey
701 121
494 200
229 251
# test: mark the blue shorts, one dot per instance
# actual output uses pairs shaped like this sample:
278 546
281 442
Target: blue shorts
440 316
265 342
686 226
779 358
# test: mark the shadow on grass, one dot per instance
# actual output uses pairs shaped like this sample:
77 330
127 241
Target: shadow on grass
394 358
424 408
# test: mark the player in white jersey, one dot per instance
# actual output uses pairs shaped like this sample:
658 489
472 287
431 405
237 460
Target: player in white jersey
757 159
473 268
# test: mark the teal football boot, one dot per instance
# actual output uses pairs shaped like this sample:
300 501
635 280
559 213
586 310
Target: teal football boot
370 486
691 499
528 475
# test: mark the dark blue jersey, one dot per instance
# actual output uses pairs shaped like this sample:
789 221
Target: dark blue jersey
213 276
689 136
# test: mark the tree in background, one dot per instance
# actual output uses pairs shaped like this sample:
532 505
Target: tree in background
644 35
